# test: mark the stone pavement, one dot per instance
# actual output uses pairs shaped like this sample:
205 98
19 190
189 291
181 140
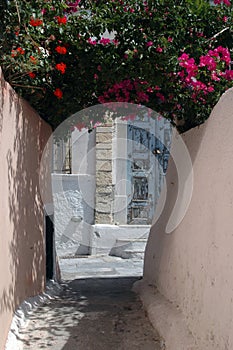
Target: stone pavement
100 266
96 310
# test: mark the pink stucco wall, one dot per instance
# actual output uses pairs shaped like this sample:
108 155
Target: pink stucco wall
22 259
193 266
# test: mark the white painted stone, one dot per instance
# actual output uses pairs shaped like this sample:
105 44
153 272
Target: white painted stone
20 317
120 209
105 238
73 197
83 150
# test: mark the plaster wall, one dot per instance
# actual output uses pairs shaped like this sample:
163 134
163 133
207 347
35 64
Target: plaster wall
83 149
73 200
193 266
23 136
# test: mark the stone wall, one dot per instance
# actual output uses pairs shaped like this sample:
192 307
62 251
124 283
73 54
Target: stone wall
192 266
104 188
22 257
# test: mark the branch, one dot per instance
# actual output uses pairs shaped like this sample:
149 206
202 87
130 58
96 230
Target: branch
219 33
17 9
27 86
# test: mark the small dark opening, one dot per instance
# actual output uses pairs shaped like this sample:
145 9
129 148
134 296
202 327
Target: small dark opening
49 227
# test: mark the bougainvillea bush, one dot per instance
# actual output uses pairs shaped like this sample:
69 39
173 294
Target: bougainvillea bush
173 56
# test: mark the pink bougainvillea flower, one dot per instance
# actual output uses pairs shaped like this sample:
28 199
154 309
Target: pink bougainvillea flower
35 22
73 6
58 93
61 50
228 74
61 67
142 97
226 2
161 97
159 49
61 20
149 43
92 41
209 62
149 89
183 57
104 41
80 126
115 42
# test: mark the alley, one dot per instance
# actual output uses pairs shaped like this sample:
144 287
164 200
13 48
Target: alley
91 314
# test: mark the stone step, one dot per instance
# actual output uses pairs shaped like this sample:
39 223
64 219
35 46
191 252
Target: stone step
128 240
132 254
129 248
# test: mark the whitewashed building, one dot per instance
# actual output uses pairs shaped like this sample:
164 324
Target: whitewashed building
106 184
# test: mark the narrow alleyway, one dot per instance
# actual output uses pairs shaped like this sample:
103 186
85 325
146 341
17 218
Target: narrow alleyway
91 314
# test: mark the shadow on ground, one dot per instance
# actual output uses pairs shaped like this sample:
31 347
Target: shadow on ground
92 314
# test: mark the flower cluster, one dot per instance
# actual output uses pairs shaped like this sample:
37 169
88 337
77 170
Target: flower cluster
103 41
127 90
215 61
62 50
63 54
35 22
73 6
61 67
61 20
226 2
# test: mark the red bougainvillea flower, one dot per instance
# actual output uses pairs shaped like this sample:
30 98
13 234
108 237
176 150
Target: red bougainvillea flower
61 67
20 51
32 75
61 20
58 93
61 49
35 22
13 53
33 59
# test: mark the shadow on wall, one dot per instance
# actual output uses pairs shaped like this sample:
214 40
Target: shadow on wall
23 136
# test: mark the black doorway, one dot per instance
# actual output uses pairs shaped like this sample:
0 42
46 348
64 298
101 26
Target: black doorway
49 233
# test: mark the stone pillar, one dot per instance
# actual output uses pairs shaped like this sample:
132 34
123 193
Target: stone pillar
104 187
120 171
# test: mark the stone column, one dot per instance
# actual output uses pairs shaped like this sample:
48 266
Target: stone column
104 187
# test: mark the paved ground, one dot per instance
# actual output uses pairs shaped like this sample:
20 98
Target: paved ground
100 266
100 313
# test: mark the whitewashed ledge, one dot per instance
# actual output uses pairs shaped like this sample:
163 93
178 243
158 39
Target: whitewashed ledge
166 318
20 318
